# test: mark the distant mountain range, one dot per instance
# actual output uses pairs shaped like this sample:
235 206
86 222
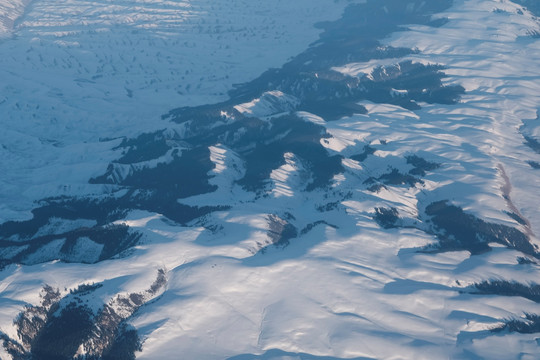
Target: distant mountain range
270 180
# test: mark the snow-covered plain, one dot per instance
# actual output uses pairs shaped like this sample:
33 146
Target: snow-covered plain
10 12
346 287
77 72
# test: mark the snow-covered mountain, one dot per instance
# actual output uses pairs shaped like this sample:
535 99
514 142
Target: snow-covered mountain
270 180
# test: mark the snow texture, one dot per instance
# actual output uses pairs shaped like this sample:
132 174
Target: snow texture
79 77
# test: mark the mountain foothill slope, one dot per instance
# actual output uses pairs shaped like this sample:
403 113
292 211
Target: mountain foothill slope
364 190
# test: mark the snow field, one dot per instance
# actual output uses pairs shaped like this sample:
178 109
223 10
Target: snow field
348 288
79 73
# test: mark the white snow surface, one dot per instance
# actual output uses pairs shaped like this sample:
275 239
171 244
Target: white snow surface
270 103
346 288
76 73
10 12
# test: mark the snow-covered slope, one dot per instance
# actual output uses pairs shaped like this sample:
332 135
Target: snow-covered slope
372 197
80 72
10 12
